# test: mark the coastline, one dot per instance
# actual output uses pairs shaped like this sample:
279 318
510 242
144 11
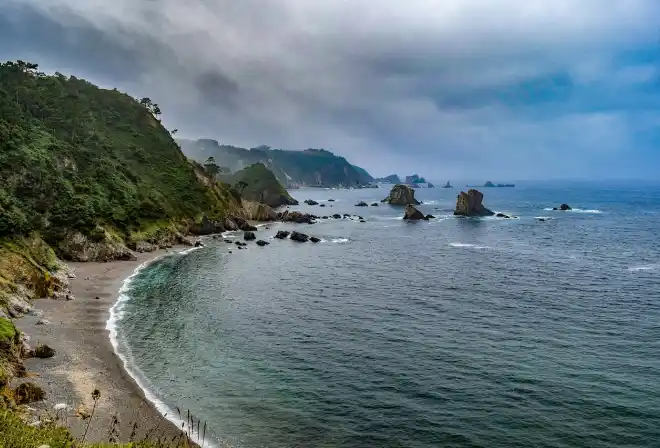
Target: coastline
86 359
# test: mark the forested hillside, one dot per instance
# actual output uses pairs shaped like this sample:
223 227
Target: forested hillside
311 167
74 156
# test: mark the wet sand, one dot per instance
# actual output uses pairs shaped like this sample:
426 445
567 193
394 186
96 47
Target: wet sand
85 358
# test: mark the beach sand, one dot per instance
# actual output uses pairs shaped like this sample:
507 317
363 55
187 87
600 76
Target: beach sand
85 358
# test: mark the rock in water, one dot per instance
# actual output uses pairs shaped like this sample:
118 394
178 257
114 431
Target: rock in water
470 204
413 214
199 244
565 207
282 234
249 236
430 217
401 195
300 237
362 204
311 202
375 204
315 239
262 243
336 216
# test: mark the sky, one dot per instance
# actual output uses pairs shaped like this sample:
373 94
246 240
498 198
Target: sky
480 89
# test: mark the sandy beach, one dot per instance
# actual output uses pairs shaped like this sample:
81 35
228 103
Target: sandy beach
85 359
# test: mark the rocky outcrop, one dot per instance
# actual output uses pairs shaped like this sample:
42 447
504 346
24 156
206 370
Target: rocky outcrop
141 246
258 183
401 195
311 202
470 204
412 214
28 393
257 211
282 234
297 217
78 247
300 237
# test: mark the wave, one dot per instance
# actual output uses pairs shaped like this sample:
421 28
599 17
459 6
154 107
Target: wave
643 268
339 240
576 210
116 315
469 246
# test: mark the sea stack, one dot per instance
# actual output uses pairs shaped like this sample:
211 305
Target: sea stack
401 195
470 204
413 214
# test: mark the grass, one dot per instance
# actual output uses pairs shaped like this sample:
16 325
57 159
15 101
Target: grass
15 432
7 330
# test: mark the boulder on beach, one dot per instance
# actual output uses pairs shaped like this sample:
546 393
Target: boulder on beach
262 243
249 236
282 234
43 351
401 195
28 393
413 214
362 204
300 237
470 204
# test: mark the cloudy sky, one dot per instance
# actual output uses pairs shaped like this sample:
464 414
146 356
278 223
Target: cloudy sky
501 89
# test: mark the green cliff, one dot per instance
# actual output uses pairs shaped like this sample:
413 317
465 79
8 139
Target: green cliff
86 173
311 167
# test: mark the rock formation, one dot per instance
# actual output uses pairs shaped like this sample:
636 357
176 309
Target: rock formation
413 214
362 204
297 217
470 204
311 202
300 237
282 234
401 195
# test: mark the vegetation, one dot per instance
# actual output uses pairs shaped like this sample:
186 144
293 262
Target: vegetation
311 167
74 156
258 183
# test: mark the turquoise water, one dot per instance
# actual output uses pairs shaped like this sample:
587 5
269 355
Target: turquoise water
454 332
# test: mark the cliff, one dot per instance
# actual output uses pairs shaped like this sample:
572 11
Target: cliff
86 173
391 179
311 167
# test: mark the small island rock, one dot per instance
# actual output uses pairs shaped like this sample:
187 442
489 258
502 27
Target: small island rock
362 204
470 204
413 214
401 195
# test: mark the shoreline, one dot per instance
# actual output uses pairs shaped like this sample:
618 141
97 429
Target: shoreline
86 358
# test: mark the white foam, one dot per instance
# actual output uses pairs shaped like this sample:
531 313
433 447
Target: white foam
467 245
339 240
575 210
648 267
116 315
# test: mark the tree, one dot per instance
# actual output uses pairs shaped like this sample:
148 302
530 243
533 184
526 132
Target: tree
211 167
241 185
150 106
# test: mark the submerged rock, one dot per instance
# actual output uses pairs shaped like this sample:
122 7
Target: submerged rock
262 243
331 200
315 239
336 216
504 215
470 204
565 207
430 217
375 204
401 195
300 237
413 214
311 202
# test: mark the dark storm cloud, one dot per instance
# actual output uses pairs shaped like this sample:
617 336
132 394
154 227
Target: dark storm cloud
502 88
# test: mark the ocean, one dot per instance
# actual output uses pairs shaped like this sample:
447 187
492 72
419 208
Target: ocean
455 332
